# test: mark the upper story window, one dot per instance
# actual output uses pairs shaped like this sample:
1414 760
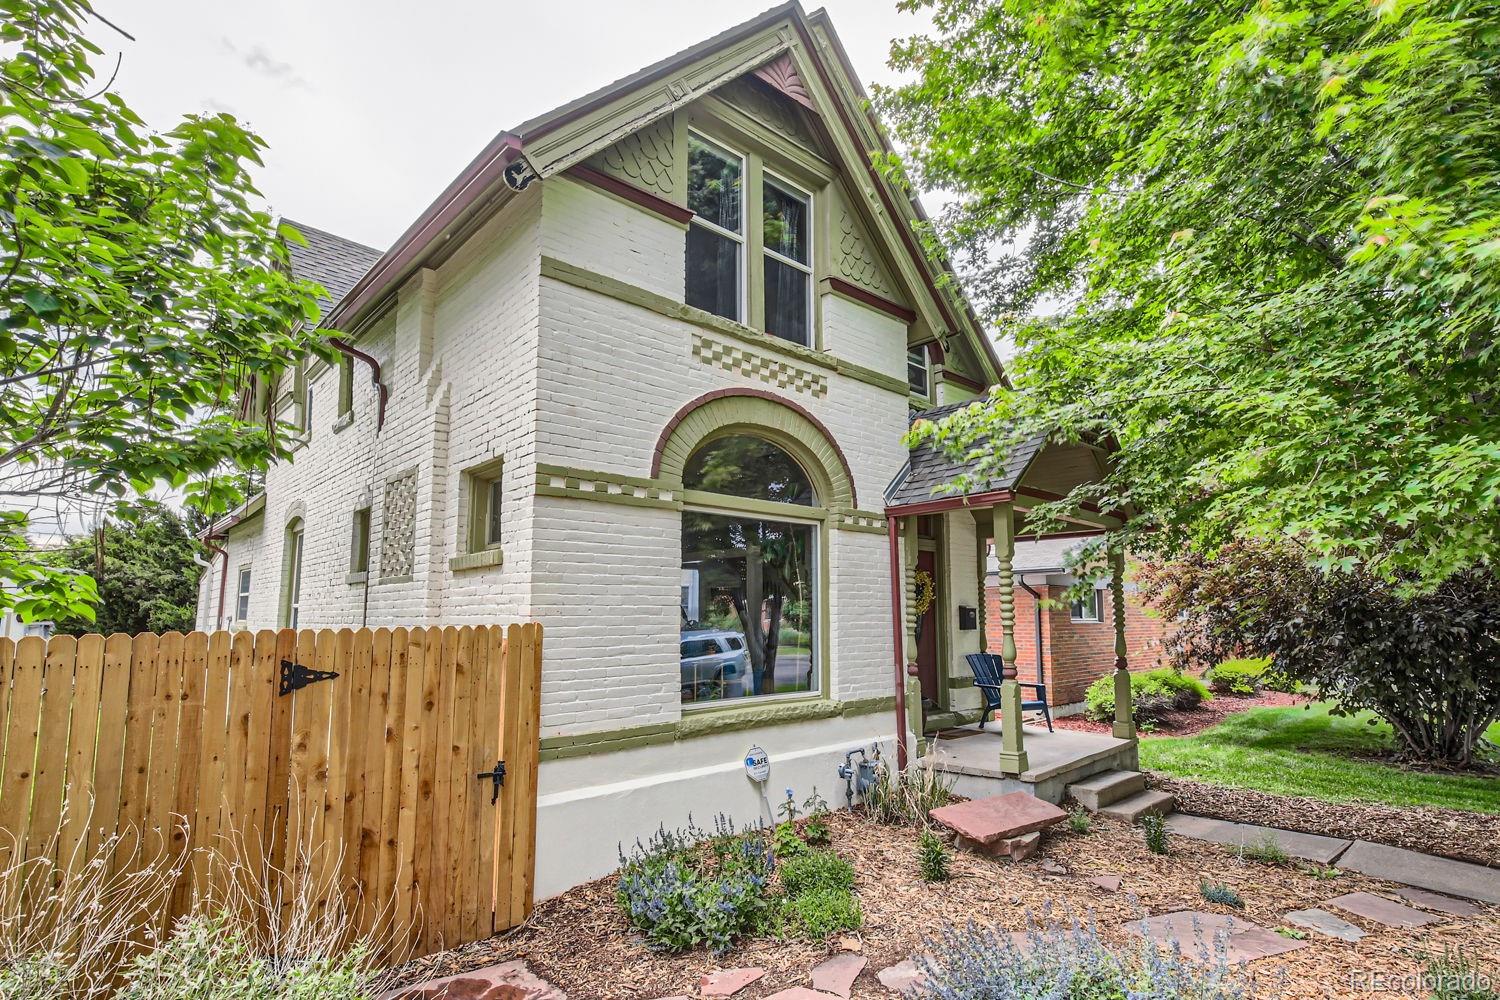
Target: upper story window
916 371
716 235
786 228
725 248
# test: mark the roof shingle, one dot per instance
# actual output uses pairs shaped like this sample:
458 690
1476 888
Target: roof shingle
332 261
929 467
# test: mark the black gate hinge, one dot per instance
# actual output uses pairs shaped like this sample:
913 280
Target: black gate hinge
295 677
497 776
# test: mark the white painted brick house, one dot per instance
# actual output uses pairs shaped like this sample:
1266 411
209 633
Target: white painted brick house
692 273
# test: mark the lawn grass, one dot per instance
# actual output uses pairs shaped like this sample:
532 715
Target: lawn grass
1303 751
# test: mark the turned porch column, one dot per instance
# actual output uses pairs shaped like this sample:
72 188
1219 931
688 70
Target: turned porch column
1012 741
1124 709
915 718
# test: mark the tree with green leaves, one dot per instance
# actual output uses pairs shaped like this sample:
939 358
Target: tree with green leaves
141 560
141 286
1254 245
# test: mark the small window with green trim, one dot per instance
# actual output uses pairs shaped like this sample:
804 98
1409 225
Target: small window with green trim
359 546
346 387
485 498
916 372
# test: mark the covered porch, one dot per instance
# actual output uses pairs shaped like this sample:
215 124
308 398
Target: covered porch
939 554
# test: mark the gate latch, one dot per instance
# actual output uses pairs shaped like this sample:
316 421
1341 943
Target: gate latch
498 777
295 677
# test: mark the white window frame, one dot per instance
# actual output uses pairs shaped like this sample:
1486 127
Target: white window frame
242 593
926 363
776 180
1096 608
742 238
296 537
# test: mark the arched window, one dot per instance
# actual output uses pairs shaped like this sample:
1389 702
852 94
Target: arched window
745 466
291 574
749 586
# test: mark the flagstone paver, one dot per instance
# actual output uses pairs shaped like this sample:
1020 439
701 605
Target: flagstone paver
999 817
837 974
1109 883
1323 850
1382 910
800 993
727 982
1197 931
1437 901
1325 923
507 981
1394 864
900 977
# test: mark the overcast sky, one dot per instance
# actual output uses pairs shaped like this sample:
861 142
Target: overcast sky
370 107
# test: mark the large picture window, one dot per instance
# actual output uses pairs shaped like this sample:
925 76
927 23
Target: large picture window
749 586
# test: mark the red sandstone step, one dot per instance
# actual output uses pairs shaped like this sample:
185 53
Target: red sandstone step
1000 817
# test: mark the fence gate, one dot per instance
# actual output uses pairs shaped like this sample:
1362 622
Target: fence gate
393 767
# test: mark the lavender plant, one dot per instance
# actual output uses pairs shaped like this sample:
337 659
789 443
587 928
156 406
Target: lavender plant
683 889
1062 961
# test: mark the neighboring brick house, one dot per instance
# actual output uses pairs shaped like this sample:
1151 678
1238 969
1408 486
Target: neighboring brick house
640 373
1077 638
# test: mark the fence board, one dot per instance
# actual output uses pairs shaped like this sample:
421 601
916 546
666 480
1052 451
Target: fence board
83 742
51 748
114 709
20 741
365 784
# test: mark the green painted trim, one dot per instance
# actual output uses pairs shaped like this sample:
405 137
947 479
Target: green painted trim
633 491
960 682
601 496
709 722
477 560
739 505
595 476
851 526
622 291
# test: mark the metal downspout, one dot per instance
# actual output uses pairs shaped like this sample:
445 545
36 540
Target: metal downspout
898 640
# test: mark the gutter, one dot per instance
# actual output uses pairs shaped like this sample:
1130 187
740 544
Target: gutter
381 388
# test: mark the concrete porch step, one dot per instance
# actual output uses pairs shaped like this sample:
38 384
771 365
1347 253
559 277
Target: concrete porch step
1141 804
1093 793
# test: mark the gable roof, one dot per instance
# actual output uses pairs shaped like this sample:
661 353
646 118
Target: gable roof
565 136
930 467
332 261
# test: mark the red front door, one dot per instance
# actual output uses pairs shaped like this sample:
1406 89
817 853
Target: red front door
927 638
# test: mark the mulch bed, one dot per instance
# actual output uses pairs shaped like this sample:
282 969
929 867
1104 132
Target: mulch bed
1188 722
1453 833
581 942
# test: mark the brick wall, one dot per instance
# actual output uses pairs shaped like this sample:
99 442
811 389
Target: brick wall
1075 654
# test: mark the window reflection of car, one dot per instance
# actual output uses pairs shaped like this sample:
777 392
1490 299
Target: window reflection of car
714 663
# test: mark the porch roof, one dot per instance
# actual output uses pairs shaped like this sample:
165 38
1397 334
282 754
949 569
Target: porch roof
929 467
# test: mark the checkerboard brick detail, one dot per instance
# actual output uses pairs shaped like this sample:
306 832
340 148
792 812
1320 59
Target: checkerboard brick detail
399 541
768 370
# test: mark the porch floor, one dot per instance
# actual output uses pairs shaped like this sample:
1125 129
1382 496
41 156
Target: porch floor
1054 760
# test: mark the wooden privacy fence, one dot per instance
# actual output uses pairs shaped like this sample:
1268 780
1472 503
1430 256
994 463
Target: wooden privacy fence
366 757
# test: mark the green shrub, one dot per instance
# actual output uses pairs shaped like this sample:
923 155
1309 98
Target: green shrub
1455 976
820 912
815 870
1242 677
1152 693
933 857
1222 894
683 895
1154 829
1079 820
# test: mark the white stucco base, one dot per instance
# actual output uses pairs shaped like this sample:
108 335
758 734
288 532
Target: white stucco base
590 806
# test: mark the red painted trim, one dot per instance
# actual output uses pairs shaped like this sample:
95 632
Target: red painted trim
708 397
456 199
941 504
935 352
885 305
1081 533
1036 494
964 380
898 640
631 193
